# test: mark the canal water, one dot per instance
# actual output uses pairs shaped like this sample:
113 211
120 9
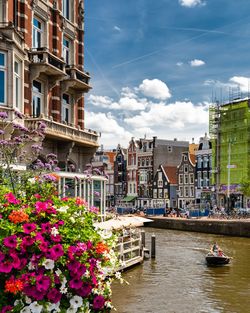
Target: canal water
179 281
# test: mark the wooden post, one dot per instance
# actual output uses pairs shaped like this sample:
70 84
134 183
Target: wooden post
153 250
143 239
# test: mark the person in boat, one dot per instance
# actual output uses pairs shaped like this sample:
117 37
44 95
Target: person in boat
215 249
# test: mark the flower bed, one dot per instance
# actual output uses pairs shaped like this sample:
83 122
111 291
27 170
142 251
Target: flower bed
52 259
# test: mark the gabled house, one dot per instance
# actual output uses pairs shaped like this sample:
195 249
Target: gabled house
186 181
120 174
165 187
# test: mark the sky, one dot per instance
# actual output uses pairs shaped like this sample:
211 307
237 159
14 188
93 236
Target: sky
157 65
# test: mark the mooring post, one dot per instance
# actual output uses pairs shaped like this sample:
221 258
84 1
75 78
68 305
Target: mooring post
153 247
143 242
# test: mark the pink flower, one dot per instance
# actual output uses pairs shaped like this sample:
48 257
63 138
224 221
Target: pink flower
54 295
11 198
37 196
6 308
57 250
29 228
5 267
43 283
41 206
27 241
15 260
46 227
56 238
10 242
85 290
98 302
75 283
2 256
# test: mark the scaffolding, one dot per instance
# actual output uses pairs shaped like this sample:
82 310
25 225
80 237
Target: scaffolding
229 125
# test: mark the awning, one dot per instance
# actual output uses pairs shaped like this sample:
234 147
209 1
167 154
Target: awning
123 222
129 198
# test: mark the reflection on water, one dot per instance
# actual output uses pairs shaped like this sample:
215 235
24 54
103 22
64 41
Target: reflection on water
179 281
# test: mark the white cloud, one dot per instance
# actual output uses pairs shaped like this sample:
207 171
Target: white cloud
117 28
111 132
242 82
100 101
192 3
155 88
179 63
196 63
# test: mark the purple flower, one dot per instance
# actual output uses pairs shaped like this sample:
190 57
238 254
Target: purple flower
27 241
5 267
54 295
85 290
6 308
98 302
3 115
1 132
57 251
29 228
75 283
10 242
18 114
43 283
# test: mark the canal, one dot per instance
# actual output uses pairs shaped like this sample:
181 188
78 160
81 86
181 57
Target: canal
178 280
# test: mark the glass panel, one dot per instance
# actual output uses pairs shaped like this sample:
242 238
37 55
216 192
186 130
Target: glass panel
2 87
2 59
37 86
37 23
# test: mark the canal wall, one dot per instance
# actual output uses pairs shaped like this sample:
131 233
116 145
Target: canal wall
220 227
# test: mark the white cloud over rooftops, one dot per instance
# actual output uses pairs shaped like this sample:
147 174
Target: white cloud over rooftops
196 63
242 82
192 3
155 88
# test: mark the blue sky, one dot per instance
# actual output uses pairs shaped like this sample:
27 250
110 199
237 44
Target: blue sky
157 65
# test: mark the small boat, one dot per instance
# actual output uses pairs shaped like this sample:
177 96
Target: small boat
215 259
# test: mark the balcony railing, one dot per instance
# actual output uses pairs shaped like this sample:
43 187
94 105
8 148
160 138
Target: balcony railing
43 61
83 137
77 79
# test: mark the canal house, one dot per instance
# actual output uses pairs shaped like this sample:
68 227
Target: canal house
165 187
186 181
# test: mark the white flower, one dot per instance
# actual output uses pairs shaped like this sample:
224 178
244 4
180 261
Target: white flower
63 289
28 300
63 209
76 302
72 219
87 274
118 275
53 306
31 267
54 231
49 264
26 309
18 302
32 180
58 272
35 307
71 310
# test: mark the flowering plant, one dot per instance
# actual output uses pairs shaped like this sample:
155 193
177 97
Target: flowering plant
52 258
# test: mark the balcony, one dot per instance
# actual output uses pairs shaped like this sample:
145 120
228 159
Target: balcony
63 132
77 80
44 62
8 30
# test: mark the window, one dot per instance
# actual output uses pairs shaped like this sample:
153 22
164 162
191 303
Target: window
66 109
181 192
17 85
191 191
155 194
199 179
191 178
199 162
170 149
186 191
160 193
37 33
160 182
204 179
134 188
66 50
180 178
165 194
205 162
186 179
210 161
185 168
37 98
3 74
2 11
66 9
185 158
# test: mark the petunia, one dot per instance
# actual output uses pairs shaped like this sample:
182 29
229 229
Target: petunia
29 228
98 302
85 290
35 307
43 283
76 302
57 250
49 264
10 242
6 308
75 283
54 295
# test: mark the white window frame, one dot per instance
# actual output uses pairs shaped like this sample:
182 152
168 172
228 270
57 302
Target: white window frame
67 50
17 92
205 179
35 31
37 95
186 181
67 9
3 68
199 179
191 178
66 106
181 179
186 191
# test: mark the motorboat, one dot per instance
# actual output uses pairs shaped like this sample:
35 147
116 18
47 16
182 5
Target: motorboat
217 259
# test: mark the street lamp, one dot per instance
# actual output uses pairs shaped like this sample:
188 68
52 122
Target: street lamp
229 166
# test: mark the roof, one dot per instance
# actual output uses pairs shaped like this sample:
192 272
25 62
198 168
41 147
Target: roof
192 158
123 222
129 198
171 173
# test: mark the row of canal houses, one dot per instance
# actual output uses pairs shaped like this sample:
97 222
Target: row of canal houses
157 173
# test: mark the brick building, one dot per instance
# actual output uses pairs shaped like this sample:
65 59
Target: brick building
42 74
